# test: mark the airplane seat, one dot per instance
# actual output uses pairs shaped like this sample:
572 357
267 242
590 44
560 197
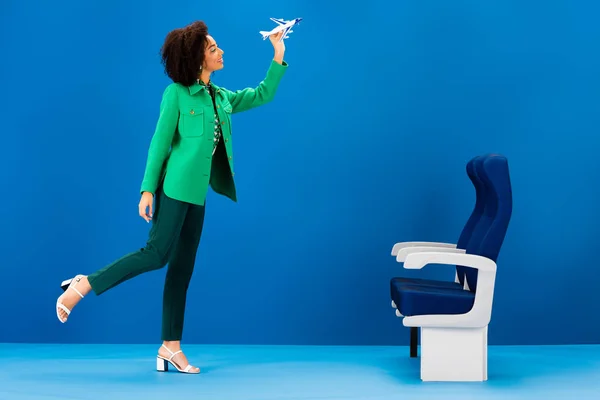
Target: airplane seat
402 249
453 322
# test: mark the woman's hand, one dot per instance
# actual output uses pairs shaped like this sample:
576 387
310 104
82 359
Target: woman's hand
145 206
278 45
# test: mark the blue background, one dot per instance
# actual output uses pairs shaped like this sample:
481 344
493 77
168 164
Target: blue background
365 145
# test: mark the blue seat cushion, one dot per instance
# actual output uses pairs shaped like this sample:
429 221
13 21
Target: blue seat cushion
413 300
401 281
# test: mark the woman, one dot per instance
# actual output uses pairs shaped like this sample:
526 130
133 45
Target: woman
190 150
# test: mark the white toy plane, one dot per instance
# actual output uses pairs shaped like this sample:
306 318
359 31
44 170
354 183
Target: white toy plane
285 26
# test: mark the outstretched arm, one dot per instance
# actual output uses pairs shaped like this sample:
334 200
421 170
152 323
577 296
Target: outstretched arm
248 98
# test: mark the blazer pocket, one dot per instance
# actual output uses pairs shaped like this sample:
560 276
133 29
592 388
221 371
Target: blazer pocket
191 122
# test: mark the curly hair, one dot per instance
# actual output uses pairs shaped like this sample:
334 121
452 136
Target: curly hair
182 53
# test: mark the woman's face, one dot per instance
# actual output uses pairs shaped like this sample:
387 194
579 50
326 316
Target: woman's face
213 56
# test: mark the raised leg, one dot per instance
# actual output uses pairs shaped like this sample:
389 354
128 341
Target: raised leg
454 354
168 220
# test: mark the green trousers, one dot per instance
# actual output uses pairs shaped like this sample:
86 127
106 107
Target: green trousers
173 239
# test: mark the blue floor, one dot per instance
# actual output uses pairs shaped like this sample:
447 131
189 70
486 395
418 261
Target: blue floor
115 372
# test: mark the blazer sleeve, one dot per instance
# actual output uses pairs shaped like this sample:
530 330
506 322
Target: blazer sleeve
160 144
248 98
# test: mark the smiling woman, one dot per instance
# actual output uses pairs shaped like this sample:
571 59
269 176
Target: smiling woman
191 149
190 50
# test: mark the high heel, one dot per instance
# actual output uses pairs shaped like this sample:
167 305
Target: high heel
66 285
162 363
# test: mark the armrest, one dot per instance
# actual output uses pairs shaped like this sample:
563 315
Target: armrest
480 315
404 252
403 245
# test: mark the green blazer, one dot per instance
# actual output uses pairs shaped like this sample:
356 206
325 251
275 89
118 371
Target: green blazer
180 153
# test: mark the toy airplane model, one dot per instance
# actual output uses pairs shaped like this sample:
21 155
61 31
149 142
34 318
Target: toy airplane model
285 26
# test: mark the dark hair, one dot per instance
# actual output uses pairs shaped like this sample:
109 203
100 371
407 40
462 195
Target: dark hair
182 53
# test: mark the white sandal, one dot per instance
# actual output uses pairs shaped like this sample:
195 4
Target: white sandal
162 363
66 285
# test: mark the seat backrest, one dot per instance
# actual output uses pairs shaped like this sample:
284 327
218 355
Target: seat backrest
474 220
491 231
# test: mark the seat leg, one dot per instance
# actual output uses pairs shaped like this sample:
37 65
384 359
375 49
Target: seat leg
454 354
414 341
